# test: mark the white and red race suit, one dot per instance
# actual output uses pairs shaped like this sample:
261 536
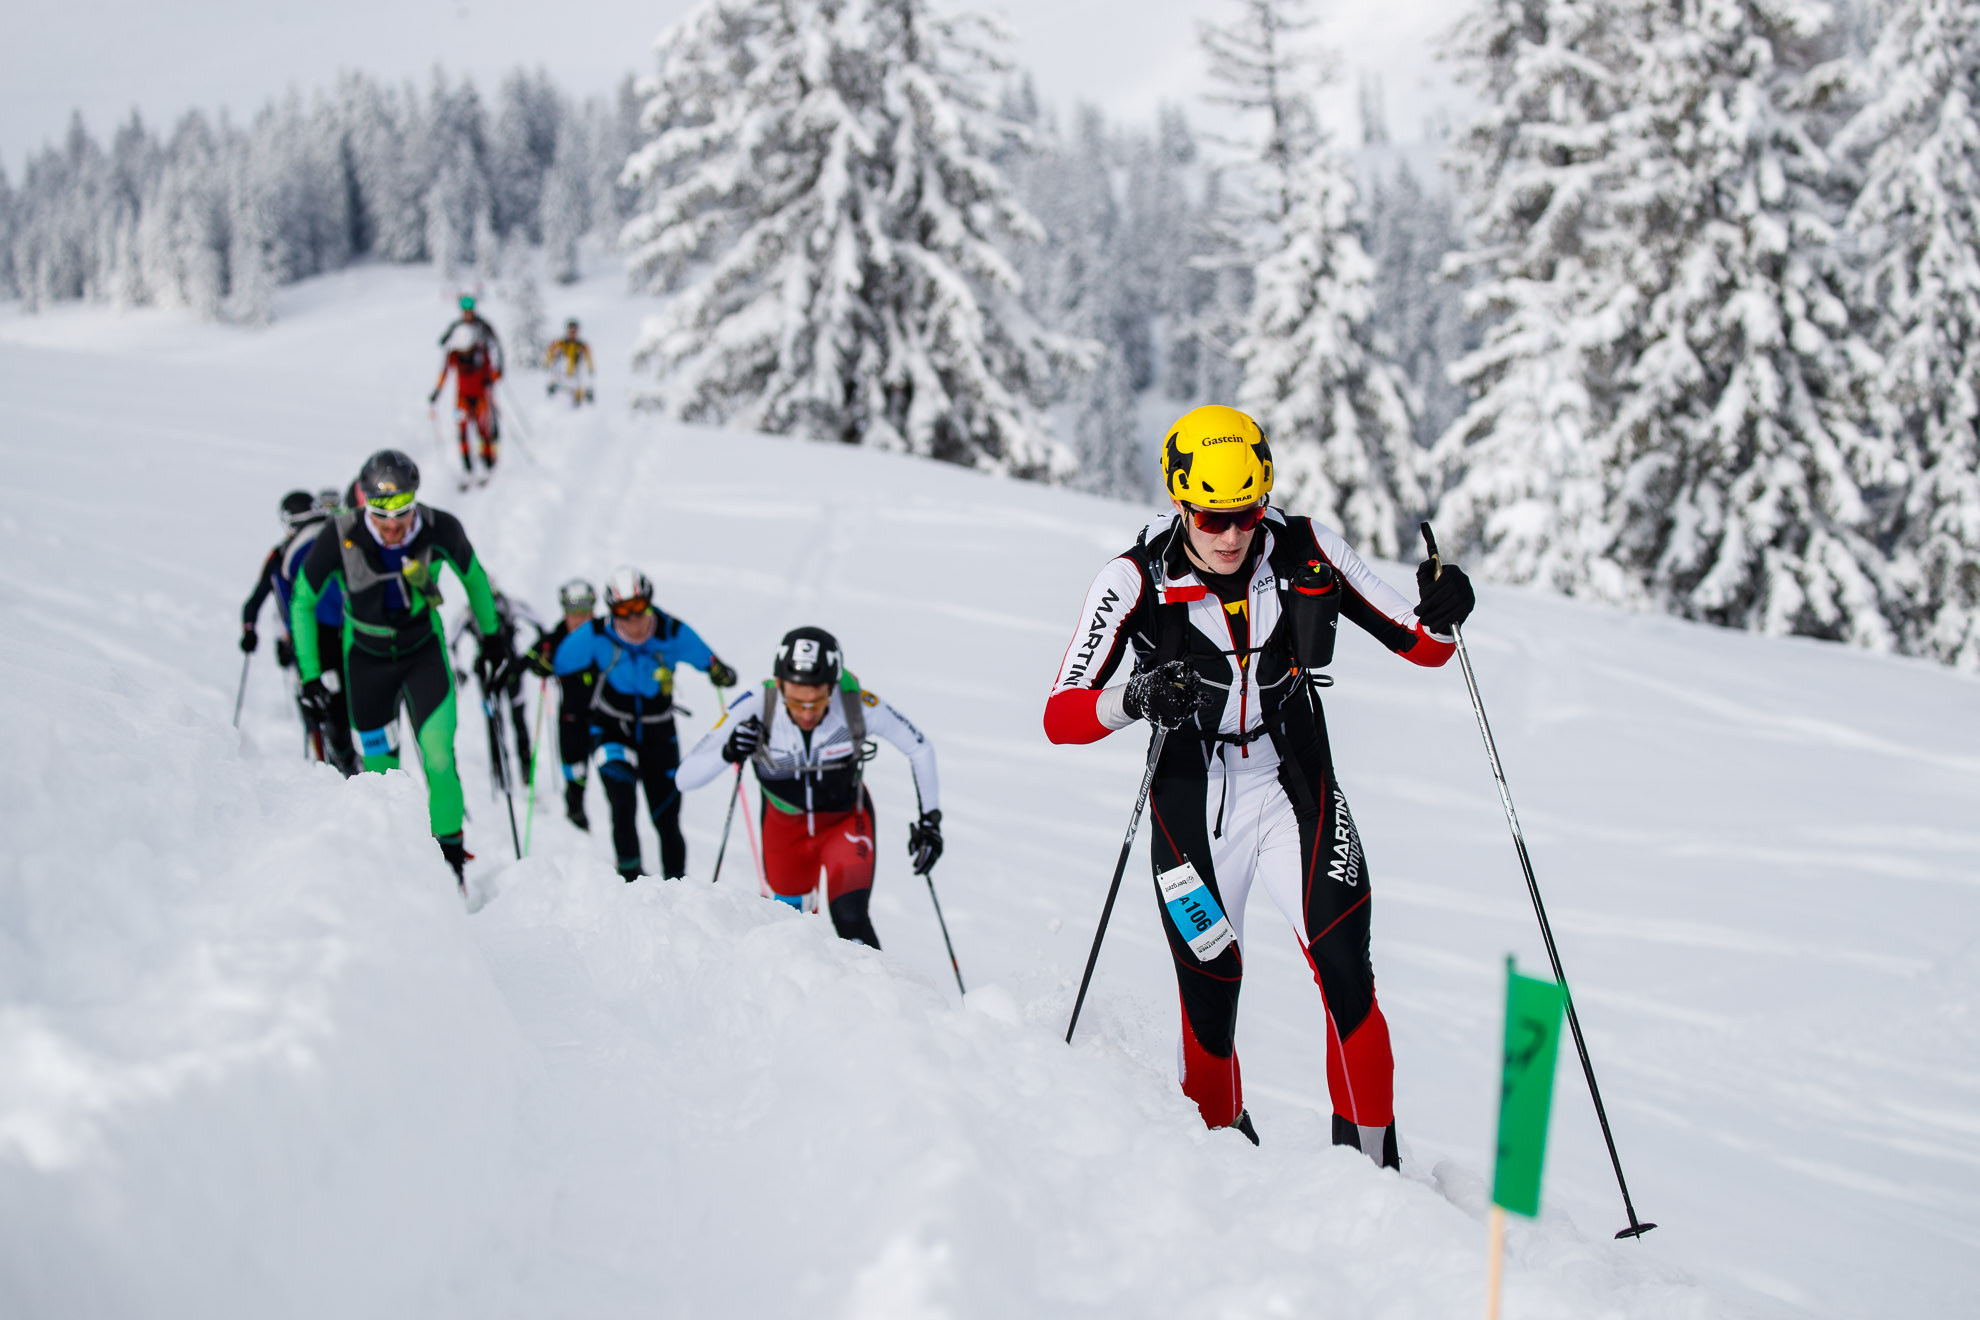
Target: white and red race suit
818 819
1245 793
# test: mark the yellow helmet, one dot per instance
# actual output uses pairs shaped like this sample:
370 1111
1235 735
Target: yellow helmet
1217 458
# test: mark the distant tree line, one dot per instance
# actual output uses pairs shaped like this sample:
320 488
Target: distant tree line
213 216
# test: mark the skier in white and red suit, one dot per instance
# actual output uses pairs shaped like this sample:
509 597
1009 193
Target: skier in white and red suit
1229 608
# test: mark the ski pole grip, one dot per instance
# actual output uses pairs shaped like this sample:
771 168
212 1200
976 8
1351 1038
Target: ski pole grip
1430 544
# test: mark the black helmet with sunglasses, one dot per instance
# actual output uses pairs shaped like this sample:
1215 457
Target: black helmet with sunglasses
388 482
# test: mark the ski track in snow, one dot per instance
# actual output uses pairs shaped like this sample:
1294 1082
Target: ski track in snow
255 1059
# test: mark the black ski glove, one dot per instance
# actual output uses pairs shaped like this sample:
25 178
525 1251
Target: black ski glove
492 662
285 653
720 674
315 700
249 640
925 841
1444 600
1167 695
540 661
743 741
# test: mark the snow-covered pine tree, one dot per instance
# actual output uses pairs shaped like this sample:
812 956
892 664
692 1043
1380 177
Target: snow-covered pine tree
567 202
9 222
381 128
1408 231
251 231
1081 282
530 115
459 202
1539 169
1159 215
182 234
1917 221
1333 407
821 180
1743 484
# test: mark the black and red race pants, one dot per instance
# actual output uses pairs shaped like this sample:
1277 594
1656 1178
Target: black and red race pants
1240 831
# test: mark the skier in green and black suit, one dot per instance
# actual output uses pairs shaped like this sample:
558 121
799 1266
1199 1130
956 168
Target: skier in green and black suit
387 559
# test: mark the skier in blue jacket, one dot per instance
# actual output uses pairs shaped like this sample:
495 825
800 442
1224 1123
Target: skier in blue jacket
303 517
635 652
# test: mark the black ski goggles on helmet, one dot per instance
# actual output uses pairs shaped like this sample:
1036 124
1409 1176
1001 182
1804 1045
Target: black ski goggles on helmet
1218 521
630 609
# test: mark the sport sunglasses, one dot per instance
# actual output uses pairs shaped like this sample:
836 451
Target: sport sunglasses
392 506
1218 521
630 609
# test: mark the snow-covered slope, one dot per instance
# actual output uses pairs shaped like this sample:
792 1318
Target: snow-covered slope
255 1059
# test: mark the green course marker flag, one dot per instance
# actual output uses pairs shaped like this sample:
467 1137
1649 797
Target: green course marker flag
1533 1033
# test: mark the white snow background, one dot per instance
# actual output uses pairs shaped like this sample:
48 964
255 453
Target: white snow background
256 1059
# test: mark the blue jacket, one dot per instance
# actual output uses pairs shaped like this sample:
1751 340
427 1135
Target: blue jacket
329 606
640 677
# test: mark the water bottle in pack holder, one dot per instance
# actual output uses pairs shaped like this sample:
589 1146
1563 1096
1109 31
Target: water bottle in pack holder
1313 605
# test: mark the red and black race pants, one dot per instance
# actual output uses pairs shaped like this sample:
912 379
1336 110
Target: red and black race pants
802 851
475 403
1241 831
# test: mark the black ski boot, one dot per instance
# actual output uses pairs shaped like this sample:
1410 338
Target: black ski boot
631 873
1377 1143
457 857
574 805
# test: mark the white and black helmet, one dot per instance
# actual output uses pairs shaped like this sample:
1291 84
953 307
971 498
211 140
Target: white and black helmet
627 591
808 656
577 596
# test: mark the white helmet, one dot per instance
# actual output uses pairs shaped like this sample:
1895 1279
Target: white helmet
627 585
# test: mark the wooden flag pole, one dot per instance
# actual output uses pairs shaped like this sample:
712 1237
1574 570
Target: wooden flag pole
1495 1260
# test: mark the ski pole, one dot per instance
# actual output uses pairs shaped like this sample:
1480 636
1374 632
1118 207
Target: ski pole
241 695
1636 1228
953 965
535 746
522 432
727 821
501 771
1120 869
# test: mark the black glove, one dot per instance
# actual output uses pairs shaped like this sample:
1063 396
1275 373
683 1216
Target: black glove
1167 695
925 841
315 700
1445 599
743 741
248 638
720 674
540 661
491 663
285 653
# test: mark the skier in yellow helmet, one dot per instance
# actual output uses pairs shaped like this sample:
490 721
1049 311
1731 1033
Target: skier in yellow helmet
1229 608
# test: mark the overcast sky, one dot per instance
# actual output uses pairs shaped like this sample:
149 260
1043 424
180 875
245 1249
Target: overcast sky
162 57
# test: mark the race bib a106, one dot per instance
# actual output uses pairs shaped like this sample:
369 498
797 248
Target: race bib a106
1195 912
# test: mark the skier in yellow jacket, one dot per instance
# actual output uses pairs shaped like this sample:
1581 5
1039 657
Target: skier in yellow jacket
569 360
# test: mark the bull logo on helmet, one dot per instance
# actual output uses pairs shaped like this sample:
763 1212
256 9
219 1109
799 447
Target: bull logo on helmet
1176 461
